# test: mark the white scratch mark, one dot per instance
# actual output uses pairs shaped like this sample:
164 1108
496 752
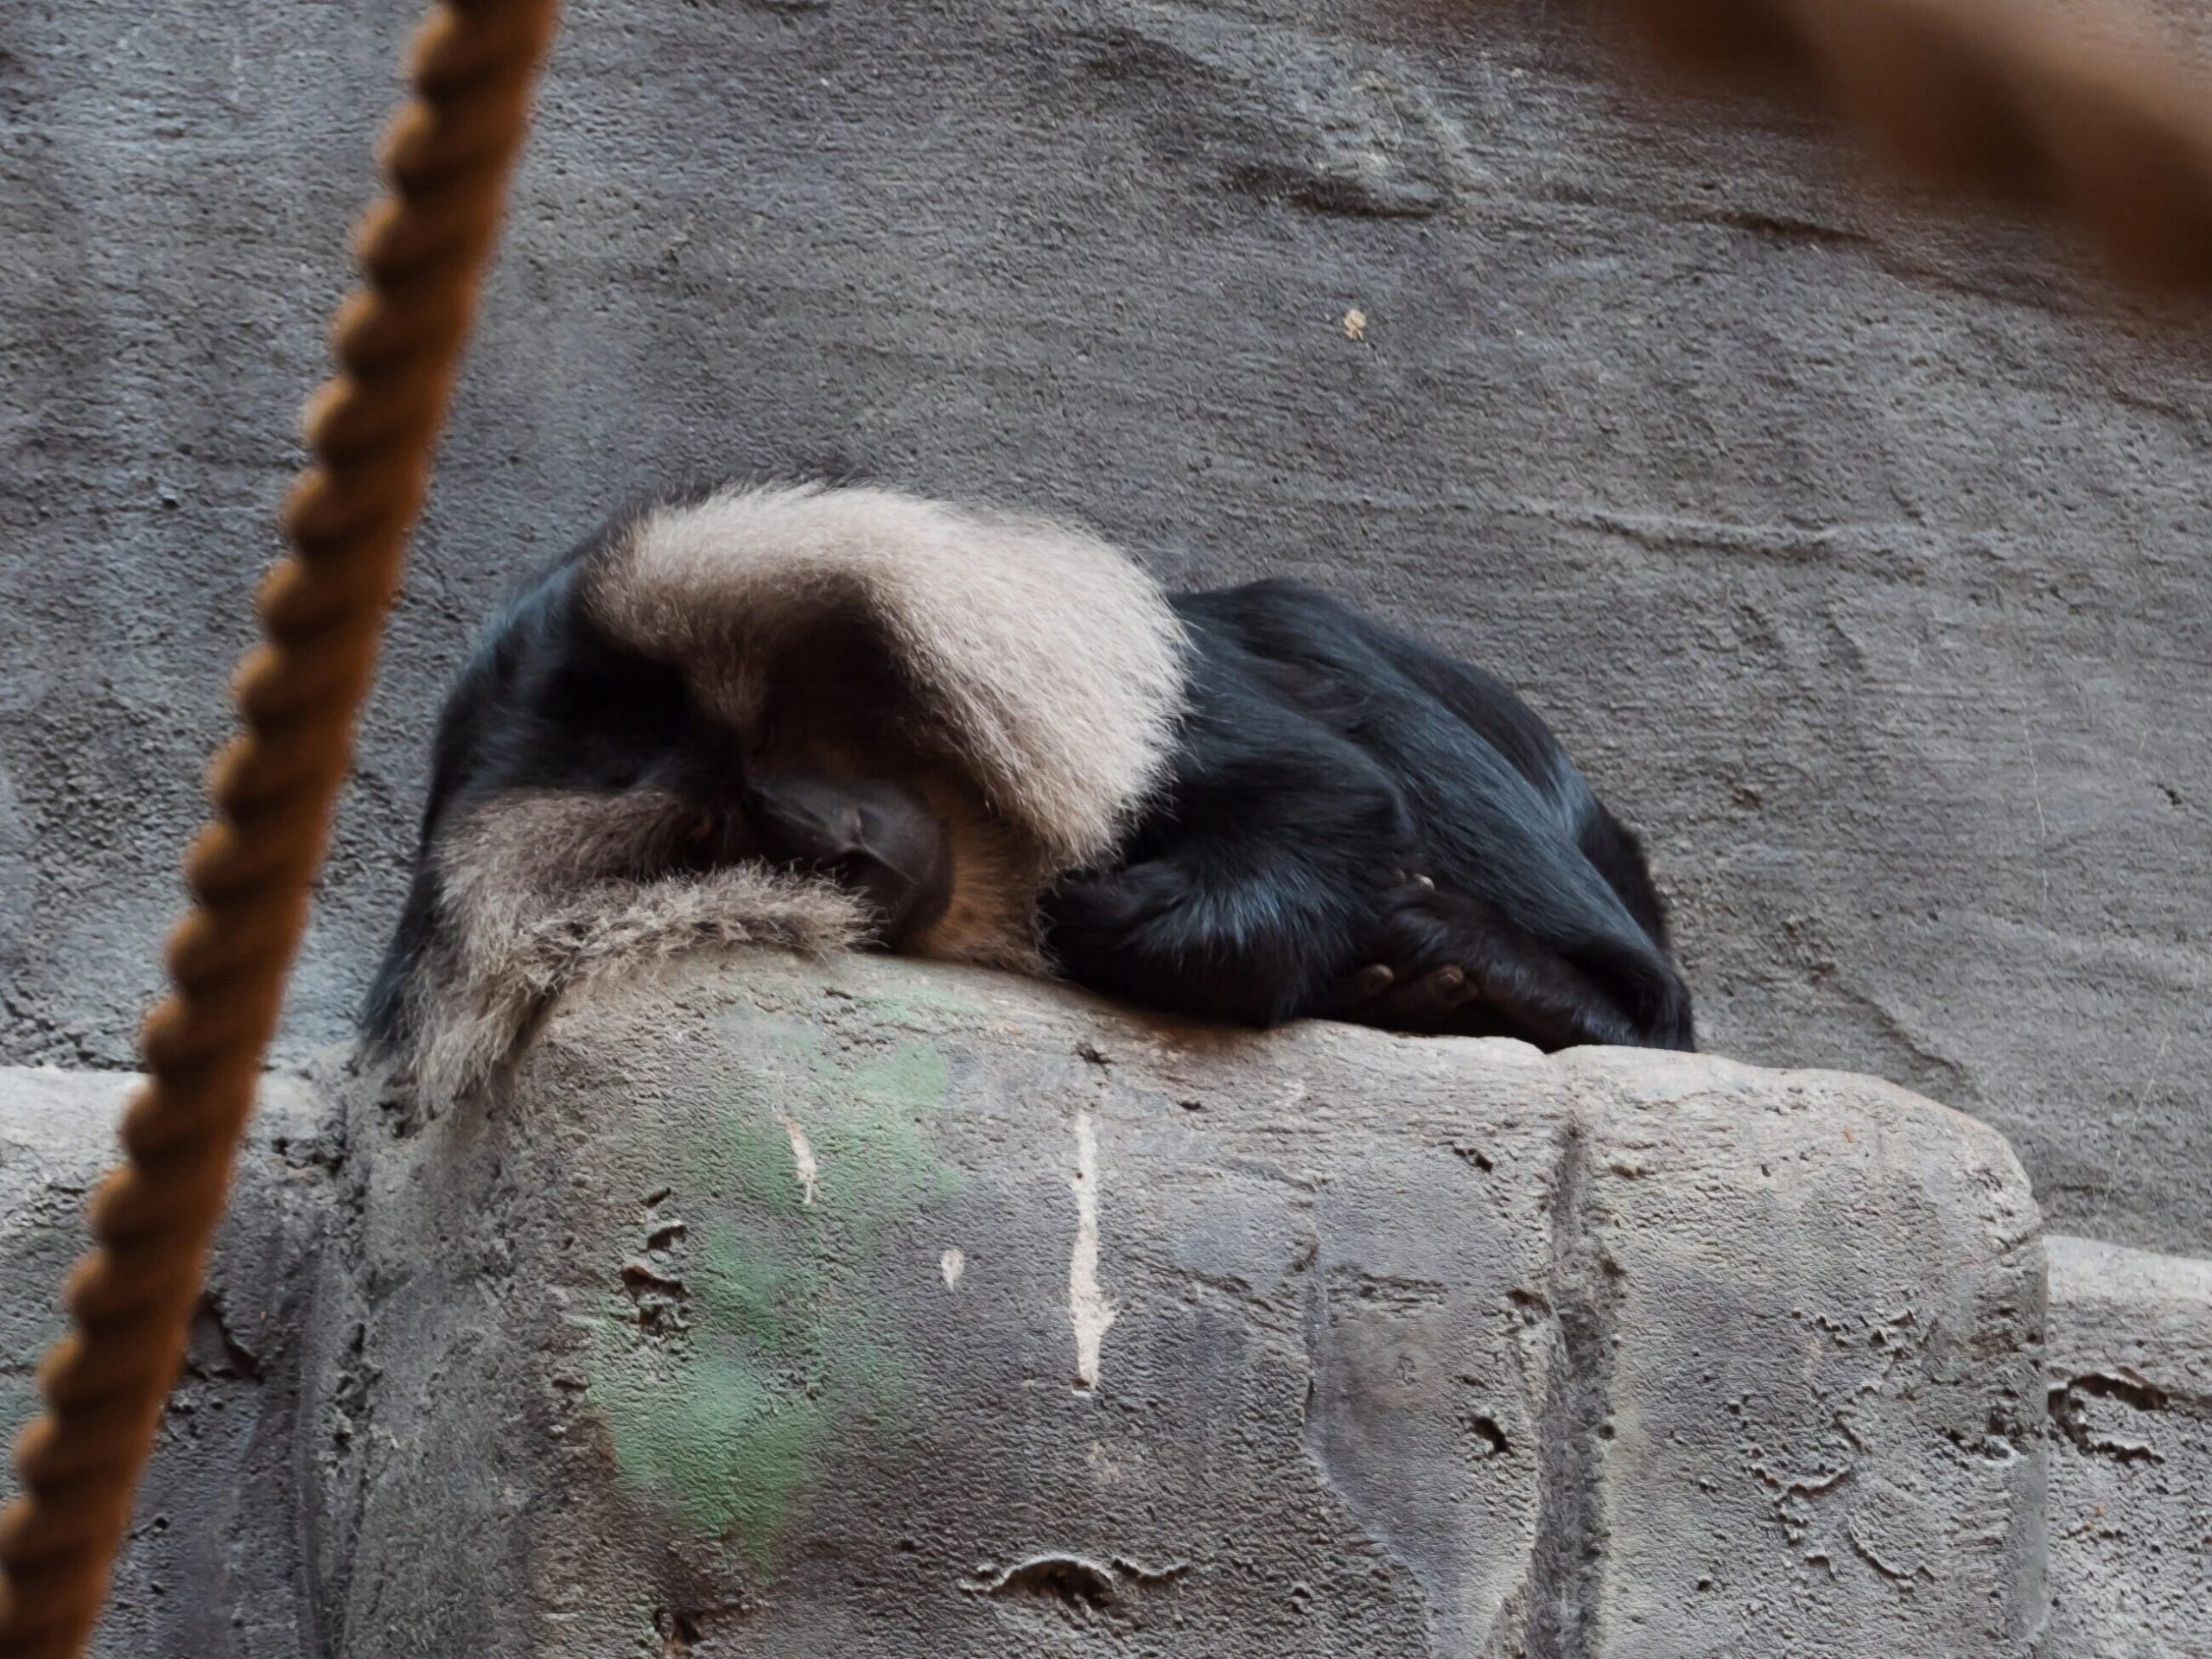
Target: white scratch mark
1088 1309
2043 823
2158 1064
809 1172
952 1264
2110 1185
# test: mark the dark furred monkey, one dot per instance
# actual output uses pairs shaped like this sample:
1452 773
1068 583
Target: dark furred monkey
817 716
795 715
1347 802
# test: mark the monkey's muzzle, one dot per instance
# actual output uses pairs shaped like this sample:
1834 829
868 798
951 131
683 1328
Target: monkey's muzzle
880 840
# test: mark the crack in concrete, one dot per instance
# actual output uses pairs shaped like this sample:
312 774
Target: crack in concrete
2070 1413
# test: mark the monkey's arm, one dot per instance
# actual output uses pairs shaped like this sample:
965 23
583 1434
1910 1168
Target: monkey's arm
1447 962
1258 878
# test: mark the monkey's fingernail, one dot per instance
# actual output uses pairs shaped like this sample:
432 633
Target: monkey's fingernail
1424 881
1371 982
1450 979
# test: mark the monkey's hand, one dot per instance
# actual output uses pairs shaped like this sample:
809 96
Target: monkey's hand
1413 979
1454 963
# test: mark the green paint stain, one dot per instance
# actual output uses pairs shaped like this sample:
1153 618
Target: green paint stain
919 1006
721 1437
788 1348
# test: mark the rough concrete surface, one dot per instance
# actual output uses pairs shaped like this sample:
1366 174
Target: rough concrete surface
755 1320
901 1313
2130 1368
1859 558
212 1566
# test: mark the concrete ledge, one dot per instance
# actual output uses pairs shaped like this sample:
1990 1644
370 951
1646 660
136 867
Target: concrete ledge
905 1311
2130 1368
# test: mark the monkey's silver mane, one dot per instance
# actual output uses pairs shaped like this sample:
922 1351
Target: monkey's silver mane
1047 659
1041 658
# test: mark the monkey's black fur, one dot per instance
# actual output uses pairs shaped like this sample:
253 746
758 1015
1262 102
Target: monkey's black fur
547 700
1342 799
1328 765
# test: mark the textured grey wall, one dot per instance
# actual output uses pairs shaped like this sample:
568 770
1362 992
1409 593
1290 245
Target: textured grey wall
1858 560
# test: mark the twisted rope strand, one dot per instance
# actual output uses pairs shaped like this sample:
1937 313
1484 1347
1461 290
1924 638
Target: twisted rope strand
372 432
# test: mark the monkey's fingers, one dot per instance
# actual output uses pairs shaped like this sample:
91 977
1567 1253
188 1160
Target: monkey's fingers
1356 990
1432 996
1417 1001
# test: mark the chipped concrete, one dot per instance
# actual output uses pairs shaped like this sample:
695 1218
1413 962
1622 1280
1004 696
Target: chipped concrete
1858 557
803 1164
2130 1374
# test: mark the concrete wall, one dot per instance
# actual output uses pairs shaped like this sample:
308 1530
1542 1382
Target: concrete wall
1860 560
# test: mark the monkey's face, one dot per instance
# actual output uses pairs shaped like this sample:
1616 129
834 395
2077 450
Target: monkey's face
878 838
818 774
826 766
849 776
839 781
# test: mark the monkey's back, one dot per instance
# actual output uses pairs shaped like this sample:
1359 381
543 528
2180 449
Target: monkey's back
1497 809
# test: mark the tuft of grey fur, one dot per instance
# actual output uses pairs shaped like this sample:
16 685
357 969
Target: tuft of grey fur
529 910
1049 663
1043 660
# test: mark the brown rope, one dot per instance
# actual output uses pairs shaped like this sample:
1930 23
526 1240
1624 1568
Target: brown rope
1981 98
372 432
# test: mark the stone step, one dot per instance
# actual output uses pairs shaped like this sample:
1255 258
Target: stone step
2130 1368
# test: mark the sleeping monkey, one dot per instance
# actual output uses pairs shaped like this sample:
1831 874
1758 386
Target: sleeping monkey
823 716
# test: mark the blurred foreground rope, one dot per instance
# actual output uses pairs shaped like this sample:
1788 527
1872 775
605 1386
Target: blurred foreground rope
372 431
2014 104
